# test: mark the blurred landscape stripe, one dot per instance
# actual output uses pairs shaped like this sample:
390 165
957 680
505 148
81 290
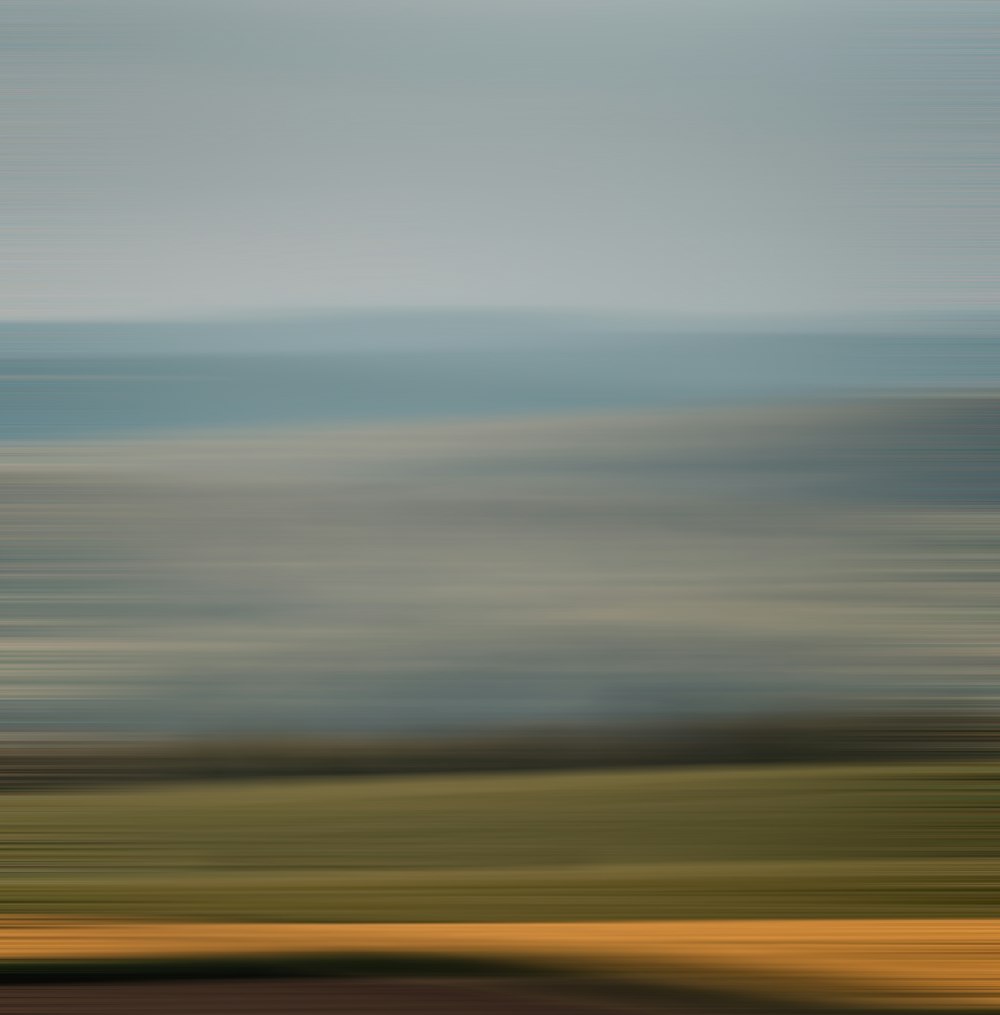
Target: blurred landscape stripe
902 965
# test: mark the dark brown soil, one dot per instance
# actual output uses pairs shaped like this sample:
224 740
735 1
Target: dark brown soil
317 996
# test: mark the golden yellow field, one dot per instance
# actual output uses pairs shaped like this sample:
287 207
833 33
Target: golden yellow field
894 964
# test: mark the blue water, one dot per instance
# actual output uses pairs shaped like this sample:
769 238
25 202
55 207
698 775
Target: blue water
56 398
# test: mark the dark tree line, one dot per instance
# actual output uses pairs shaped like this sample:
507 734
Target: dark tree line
771 740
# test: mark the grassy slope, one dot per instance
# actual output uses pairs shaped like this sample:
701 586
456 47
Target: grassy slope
888 841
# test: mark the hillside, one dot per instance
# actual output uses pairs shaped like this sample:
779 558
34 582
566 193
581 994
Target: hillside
782 842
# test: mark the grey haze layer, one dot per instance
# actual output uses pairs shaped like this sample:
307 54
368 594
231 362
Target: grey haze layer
459 575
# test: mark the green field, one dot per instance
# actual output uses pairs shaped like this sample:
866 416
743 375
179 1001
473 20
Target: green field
722 843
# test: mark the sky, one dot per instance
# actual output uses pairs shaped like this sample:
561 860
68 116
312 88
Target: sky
723 157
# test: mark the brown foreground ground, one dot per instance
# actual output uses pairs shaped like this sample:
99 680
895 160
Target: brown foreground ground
320 996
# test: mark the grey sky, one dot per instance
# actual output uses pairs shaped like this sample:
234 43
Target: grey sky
683 156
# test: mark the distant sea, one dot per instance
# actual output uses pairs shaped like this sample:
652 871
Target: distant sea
75 399
59 398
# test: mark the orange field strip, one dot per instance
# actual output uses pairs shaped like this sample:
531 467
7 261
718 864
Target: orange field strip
893 964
